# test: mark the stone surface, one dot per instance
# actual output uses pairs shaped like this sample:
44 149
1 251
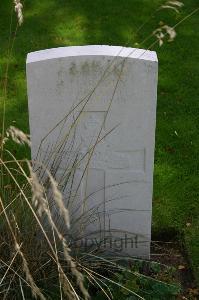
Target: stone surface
111 92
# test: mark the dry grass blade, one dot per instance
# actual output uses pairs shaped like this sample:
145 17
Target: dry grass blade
78 275
21 288
119 267
115 283
31 209
40 200
8 288
95 281
36 292
12 261
15 273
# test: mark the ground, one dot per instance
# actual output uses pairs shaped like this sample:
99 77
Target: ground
54 23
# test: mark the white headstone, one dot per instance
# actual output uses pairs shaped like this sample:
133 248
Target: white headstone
113 91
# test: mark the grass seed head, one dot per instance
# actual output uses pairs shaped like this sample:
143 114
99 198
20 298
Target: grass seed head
18 136
18 10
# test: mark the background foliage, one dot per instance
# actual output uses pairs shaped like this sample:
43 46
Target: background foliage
54 23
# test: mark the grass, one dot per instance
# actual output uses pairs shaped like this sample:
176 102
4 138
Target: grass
55 23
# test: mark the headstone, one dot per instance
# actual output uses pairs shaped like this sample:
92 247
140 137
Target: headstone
103 101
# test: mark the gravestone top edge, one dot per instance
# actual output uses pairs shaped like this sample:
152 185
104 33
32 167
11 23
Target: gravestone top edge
91 50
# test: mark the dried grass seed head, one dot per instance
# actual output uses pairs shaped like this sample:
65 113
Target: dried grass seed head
18 136
18 9
58 198
36 292
38 199
161 32
174 5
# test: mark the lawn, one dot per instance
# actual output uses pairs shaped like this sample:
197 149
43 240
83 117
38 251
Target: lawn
54 23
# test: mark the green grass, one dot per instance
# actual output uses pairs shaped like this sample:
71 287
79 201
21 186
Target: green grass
54 23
